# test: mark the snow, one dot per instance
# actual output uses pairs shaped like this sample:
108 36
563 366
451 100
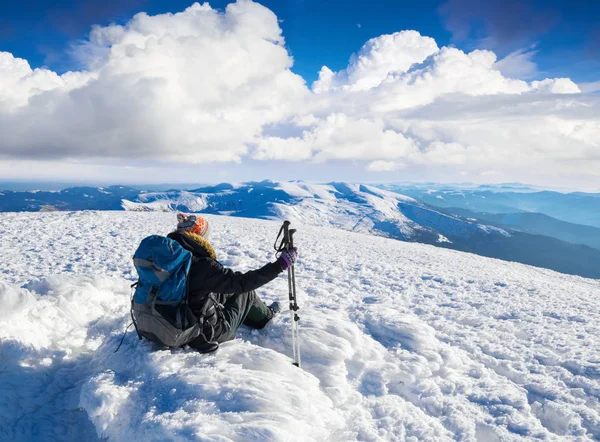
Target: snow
349 206
492 229
169 201
154 206
442 238
301 189
293 189
348 215
399 341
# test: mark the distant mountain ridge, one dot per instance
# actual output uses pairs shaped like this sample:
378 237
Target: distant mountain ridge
354 207
536 223
73 198
575 207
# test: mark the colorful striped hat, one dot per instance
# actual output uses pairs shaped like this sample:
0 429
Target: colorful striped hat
192 223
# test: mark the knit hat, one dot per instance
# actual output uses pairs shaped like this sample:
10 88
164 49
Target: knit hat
192 223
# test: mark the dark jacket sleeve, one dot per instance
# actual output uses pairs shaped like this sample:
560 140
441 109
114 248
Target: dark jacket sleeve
213 277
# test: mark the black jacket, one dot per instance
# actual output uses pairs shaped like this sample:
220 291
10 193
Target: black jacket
209 276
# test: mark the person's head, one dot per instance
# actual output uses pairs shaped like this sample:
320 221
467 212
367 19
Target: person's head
193 224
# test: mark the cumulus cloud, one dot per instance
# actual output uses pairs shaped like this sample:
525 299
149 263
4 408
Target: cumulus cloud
377 59
339 137
556 86
19 82
448 71
448 109
196 86
204 85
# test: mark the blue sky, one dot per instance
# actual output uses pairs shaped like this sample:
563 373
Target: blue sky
565 34
436 90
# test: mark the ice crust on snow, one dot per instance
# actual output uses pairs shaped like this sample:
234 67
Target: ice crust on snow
400 341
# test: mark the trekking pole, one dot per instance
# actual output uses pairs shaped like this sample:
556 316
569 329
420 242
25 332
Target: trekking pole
287 243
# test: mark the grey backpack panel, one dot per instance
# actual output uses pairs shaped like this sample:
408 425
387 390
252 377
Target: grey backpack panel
152 325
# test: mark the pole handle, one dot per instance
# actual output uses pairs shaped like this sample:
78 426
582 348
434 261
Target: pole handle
286 235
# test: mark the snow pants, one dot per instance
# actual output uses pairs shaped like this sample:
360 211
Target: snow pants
242 308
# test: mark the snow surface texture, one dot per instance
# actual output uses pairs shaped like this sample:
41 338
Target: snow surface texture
400 341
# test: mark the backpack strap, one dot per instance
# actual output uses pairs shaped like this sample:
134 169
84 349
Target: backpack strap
152 296
208 345
205 341
133 286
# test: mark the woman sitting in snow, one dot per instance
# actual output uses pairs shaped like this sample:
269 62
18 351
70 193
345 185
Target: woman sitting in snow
234 292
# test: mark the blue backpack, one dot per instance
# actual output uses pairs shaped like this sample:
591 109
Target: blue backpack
159 306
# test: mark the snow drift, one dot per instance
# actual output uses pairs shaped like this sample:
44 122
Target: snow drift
399 341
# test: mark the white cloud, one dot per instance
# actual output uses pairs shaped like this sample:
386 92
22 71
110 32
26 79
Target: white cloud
556 86
339 137
204 85
518 64
195 86
385 166
457 111
590 87
378 58
19 83
442 153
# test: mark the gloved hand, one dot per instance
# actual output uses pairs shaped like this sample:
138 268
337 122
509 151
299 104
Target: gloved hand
287 258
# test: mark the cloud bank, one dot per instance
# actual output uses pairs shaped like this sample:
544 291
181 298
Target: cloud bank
205 86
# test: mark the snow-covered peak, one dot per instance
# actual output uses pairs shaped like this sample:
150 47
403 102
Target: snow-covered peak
179 200
304 190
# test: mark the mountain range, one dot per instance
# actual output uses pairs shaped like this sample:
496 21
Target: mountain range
574 207
353 207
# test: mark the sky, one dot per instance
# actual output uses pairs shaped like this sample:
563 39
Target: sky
155 91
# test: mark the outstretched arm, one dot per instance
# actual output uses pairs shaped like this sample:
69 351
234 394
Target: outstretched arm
219 279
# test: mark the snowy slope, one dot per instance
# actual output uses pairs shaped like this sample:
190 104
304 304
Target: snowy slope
400 341
368 209
354 207
178 200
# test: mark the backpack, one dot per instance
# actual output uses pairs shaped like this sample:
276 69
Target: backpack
160 305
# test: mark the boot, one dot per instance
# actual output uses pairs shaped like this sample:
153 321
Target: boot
275 308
